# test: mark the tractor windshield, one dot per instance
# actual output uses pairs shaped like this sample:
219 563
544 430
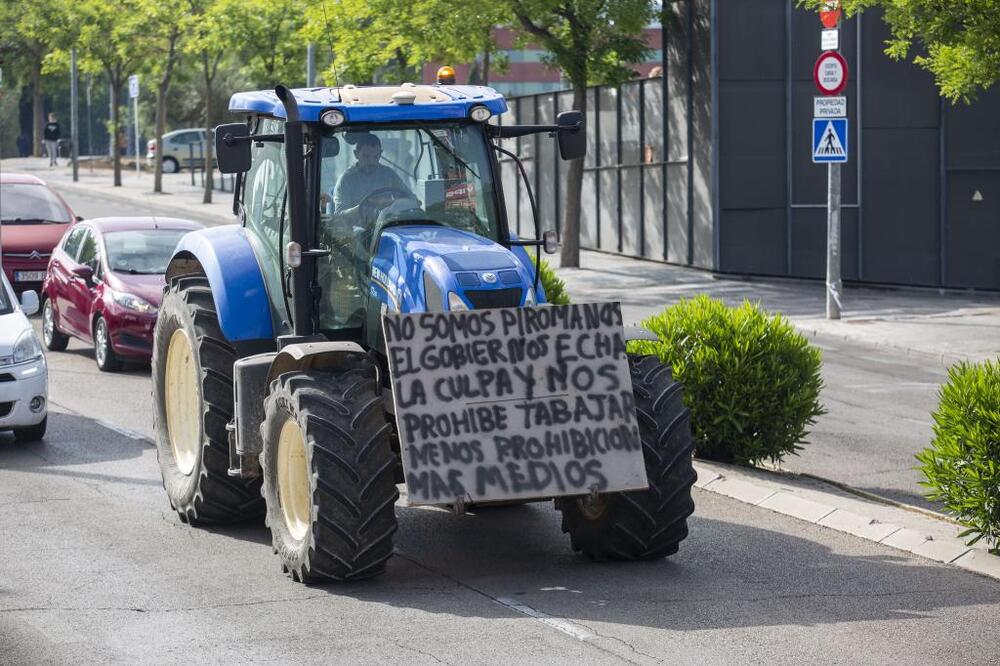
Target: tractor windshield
383 175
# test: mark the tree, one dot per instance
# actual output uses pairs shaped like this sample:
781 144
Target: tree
168 24
957 41
390 40
208 43
591 42
111 39
28 33
266 34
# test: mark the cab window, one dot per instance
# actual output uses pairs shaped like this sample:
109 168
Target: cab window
265 211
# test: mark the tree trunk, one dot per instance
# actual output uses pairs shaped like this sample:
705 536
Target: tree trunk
207 197
37 108
161 115
161 121
570 237
116 86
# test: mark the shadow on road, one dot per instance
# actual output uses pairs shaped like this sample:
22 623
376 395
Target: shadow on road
728 573
71 441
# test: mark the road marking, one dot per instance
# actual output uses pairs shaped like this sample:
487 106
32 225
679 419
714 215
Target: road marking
132 434
559 624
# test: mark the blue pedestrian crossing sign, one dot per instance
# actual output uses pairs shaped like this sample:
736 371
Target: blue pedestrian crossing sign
829 140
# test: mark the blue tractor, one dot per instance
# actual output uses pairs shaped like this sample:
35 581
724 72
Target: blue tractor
270 381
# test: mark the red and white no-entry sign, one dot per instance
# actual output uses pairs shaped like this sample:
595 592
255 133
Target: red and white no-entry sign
830 73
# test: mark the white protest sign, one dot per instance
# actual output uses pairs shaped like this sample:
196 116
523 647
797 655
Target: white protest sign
514 403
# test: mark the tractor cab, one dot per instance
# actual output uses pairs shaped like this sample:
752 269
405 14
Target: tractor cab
393 204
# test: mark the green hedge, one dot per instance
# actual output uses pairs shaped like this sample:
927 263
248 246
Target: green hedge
962 465
752 382
554 286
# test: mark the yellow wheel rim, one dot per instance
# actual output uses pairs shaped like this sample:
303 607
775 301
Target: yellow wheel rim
181 398
294 492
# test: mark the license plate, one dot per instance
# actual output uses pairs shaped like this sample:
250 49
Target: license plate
29 276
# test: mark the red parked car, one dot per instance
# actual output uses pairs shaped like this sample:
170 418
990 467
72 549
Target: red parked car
32 220
105 283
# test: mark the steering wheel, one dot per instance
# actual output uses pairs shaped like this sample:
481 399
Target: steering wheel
381 191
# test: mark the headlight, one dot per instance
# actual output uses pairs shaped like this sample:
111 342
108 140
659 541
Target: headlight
455 302
480 113
333 117
132 302
530 298
27 348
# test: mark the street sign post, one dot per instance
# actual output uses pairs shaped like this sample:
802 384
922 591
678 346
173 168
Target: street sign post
829 140
133 93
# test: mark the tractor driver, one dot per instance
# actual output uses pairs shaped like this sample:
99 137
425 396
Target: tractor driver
366 177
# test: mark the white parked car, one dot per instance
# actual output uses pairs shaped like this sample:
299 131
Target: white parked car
182 148
24 375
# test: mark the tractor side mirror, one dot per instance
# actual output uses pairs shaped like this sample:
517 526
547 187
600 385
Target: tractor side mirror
232 150
550 242
572 135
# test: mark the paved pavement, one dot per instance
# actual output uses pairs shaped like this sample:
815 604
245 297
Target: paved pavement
98 569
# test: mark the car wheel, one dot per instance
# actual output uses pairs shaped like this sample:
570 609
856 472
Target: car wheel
53 339
170 165
107 360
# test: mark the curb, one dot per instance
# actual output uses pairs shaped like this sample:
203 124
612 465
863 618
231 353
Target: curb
148 197
814 501
945 360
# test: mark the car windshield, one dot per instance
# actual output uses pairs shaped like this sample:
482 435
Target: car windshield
141 252
27 203
377 176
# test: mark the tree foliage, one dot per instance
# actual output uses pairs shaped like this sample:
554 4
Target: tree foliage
389 40
958 41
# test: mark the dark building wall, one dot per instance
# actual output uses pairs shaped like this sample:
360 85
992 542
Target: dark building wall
915 162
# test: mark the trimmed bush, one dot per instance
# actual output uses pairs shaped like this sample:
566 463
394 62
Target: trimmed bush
554 286
962 465
752 382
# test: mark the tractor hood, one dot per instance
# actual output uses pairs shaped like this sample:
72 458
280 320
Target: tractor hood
417 267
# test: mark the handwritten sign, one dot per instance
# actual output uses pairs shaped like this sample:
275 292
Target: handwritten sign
514 403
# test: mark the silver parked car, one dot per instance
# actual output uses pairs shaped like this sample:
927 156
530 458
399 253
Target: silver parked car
180 147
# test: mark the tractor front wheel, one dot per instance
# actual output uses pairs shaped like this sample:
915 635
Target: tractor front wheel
651 523
329 474
193 403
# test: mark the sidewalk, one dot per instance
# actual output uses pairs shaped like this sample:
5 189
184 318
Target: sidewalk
945 326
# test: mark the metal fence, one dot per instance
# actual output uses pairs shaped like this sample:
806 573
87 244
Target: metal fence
627 164
646 183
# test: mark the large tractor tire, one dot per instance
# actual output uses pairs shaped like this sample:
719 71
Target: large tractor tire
647 524
329 474
193 403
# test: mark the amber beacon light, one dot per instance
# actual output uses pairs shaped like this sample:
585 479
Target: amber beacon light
446 75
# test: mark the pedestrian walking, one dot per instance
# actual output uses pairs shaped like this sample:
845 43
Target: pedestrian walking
52 136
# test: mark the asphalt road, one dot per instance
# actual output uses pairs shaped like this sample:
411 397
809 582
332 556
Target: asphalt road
97 568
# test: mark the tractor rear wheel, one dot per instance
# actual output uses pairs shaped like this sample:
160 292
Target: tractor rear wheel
193 403
651 523
329 474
